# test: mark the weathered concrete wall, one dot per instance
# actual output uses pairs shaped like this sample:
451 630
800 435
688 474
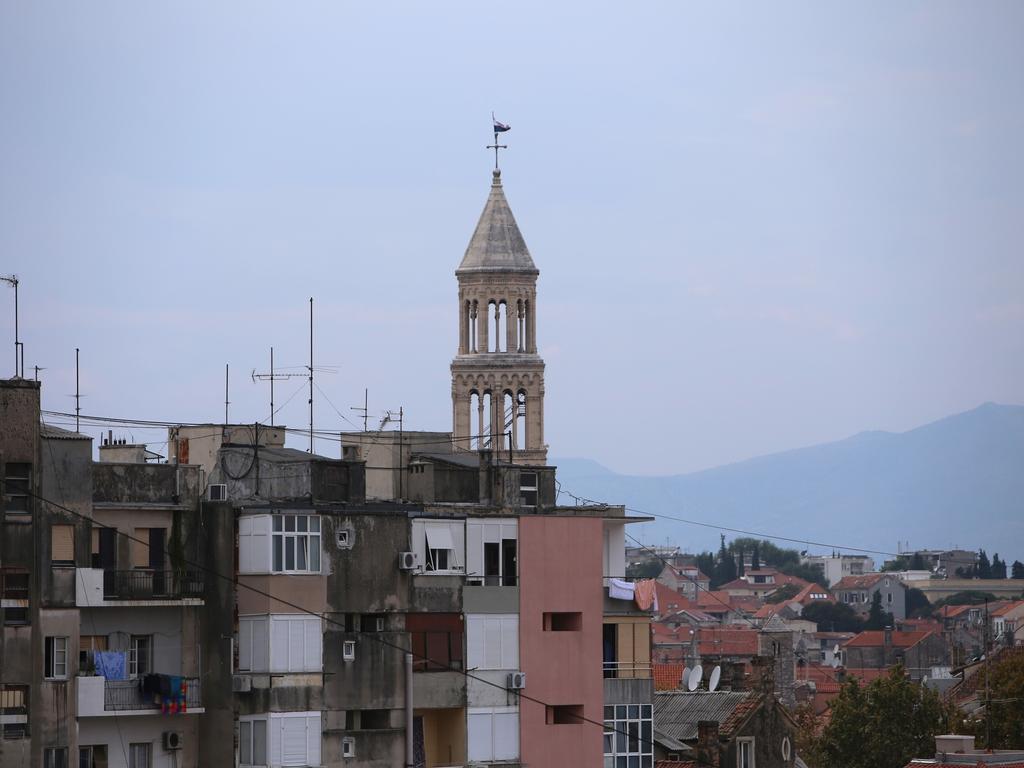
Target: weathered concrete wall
118 733
628 691
291 593
145 483
365 578
769 726
490 599
374 680
163 623
374 748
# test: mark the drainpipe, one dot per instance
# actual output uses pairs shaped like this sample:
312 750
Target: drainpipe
409 758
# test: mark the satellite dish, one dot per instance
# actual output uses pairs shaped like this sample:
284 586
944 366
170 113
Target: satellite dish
685 677
716 675
695 675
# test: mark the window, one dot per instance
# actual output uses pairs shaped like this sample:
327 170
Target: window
87 646
436 641
888 598
528 489
563 622
492 733
439 545
252 742
140 655
280 643
440 549
62 545
348 650
140 755
293 738
628 736
787 748
15 596
296 543
563 714
744 753
93 756
492 641
491 551
17 488
55 757
56 658
14 711
348 747
374 719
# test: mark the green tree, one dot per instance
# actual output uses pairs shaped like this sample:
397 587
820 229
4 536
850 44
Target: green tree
917 563
1017 571
739 562
884 724
647 569
706 564
755 558
833 617
1007 707
984 568
896 564
783 593
917 605
877 618
998 569
968 597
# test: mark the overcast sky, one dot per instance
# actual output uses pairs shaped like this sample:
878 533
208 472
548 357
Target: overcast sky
758 226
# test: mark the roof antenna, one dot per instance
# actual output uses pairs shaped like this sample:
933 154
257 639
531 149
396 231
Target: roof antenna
78 395
19 348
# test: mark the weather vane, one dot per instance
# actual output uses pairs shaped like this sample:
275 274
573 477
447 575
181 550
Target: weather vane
499 127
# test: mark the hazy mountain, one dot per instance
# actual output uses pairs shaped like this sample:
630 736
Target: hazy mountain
957 481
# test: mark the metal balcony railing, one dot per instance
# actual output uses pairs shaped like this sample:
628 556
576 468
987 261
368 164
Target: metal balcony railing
145 584
626 669
126 695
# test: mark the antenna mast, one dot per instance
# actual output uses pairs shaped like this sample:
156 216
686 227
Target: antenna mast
311 374
78 395
226 401
19 348
365 410
272 377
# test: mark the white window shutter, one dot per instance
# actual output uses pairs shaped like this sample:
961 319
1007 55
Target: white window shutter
474 548
293 741
296 643
479 736
275 732
313 737
492 643
475 641
314 643
278 644
419 541
458 534
506 735
510 642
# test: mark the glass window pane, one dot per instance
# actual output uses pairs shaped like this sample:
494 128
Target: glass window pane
620 762
277 522
289 522
609 713
620 738
278 560
300 545
646 744
314 523
645 711
289 553
634 762
607 743
634 737
634 711
314 554
300 521
245 743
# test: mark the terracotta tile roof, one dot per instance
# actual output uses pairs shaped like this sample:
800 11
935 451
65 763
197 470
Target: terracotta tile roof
864 581
768 610
865 674
713 641
662 633
804 596
918 625
669 600
1004 608
739 715
667 677
952 611
876 638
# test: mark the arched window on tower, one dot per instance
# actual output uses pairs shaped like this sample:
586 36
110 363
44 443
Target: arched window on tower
472 326
486 418
501 327
519 430
475 440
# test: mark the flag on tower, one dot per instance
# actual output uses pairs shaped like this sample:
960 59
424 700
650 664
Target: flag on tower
500 127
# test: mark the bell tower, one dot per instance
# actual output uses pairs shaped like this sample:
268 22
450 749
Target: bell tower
497 376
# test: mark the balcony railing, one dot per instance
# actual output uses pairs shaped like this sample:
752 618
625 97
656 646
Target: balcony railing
626 669
126 695
144 584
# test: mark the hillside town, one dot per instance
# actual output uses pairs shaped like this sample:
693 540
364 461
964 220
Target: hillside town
435 599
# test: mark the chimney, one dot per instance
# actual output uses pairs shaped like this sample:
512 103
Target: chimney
707 743
887 637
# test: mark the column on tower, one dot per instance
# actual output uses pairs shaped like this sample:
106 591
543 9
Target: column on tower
530 327
510 329
484 319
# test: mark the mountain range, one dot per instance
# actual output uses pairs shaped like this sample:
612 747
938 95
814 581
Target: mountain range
958 481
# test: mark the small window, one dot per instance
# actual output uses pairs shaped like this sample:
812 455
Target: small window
252 742
528 489
94 756
374 719
14 711
15 596
787 748
343 537
563 622
140 655
62 545
55 757
744 753
348 747
17 488
56 658
348 650
564 714
140 755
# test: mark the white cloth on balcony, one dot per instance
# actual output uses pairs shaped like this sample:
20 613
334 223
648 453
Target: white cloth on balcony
620 590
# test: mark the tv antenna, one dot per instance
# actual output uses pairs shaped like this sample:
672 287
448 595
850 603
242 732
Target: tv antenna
78 395
365 410
272 377
19 348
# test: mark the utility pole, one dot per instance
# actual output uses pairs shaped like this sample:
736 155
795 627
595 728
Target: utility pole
19 348
988 694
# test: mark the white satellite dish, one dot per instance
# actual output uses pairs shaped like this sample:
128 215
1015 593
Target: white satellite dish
695 675
685 677
716 675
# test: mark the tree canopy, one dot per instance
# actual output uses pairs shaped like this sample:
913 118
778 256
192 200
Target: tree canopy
878 618
883 724
968 597
833 617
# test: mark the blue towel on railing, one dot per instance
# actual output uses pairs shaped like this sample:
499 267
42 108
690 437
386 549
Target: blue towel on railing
110 664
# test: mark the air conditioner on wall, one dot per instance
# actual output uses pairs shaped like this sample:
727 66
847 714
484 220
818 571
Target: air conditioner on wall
172 740
516 681
407 561
241 683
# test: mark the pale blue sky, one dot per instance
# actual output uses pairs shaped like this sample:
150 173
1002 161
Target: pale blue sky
758 226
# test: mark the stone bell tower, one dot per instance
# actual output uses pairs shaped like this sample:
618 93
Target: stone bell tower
497 376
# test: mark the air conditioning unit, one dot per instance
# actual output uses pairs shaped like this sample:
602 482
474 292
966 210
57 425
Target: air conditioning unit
407 561
516 681
217 492
241 683
172 740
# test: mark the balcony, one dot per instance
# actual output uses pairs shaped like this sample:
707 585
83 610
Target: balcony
99 697
95 587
